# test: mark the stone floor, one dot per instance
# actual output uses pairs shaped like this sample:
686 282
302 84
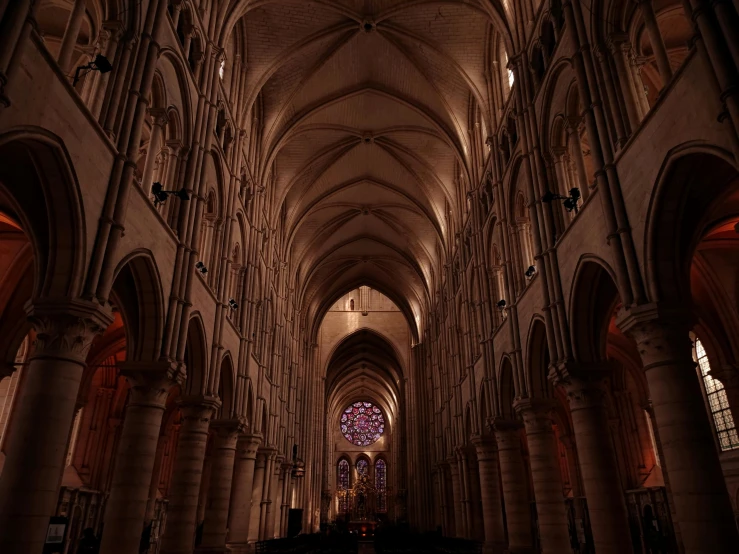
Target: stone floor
366 548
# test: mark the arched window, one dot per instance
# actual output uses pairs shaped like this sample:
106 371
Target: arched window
381 484
351 304
362 468
342 482
718 402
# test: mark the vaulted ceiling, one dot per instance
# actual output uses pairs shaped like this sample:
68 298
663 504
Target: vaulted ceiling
370 111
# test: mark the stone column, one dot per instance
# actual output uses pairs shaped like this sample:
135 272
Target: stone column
655 38
69 40
256 496
513 479
702 505
287 488
274 499
179 533
492 506
125 510
38 434
219 493
159 122
459 527
609 519
545 474
242 488
620 48
464 479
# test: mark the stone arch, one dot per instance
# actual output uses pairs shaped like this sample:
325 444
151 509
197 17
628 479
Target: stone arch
39 187
506 389
693 189
593 298
537 360
137 291
196 359
226 389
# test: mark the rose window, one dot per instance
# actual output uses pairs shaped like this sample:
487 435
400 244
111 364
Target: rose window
362 423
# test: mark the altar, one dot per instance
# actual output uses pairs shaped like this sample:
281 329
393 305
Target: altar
358 507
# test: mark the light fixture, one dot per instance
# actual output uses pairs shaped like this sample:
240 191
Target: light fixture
100 63
530 272
200 266
233 304
570 202
160 195
501 304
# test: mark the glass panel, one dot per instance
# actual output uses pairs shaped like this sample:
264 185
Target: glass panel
718 402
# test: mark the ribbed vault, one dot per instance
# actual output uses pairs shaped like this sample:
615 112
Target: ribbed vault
364 367
371 118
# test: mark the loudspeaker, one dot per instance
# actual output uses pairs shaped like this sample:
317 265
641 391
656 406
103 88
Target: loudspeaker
294 522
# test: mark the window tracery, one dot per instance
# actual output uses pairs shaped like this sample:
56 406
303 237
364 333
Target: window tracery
362 423
381 484
342 482
718 402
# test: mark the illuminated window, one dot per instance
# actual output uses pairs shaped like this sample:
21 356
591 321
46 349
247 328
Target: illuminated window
342 478
362 468
717 401
381 484
222 70
511 78
362 423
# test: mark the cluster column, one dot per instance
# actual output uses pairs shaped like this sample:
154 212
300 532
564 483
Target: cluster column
513 478
492 505
459 527
243 481
545 474
125 510
179 534
215 524
38 434
609 521
702 506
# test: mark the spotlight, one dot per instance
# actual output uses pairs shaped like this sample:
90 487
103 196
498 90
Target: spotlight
530 272
233 304
200 266
160 195
100 63
570 202
501 304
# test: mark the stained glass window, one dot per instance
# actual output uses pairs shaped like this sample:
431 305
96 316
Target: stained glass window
381 484
342 479
718 402
362 468
362 423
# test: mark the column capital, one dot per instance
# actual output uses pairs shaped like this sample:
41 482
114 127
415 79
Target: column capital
198 406
159 116
485 446
65 328
151 382
502 424
584 384
229 426
727 374
660 331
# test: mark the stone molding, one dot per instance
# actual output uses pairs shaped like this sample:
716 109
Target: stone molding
584 384
66 328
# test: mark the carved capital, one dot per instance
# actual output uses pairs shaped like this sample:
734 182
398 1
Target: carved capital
584 384
662 334
198 408
486 447
159 116
536 413
65 329
151 382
